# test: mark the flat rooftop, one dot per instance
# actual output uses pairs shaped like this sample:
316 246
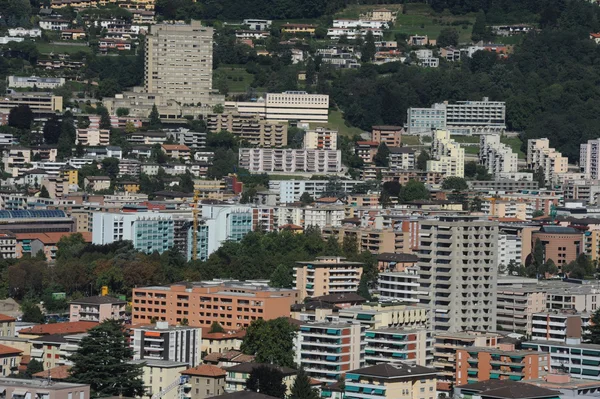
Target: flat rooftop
37 384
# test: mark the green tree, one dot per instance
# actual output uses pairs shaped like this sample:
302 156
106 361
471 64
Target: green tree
32 313
278 349
479 27
350 245
422 160
537 213
218 109
186 182
540 177
455 183
110 166
282 277
20 117
52 129
382 156
476 204
592 335
215 327
44 192
363 288
34 366
268 380
122 111
306 198
154 118
448 37
413 190
102 361
384 199
368 49
302 389
105 122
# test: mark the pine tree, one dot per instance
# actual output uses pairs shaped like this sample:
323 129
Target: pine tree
44 192
381 158
302 388
267 380
154 118
102 361
105 122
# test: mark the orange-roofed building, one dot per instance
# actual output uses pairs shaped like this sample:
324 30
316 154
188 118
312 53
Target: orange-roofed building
294 228
32 243
595 37
76 327
222 342
9 360
205 381
177 151
366 150
7 326
58 373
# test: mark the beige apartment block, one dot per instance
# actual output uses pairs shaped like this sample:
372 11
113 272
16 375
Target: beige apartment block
253 129
516 306
540 155
327 275
376 241
495 156
204 381
392 381
321 138
158 375
448 157
93 137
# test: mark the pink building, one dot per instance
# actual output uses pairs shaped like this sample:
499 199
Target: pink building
97 308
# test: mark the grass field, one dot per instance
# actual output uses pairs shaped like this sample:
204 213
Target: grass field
514 143
336 121
410 140
465 139
47 48
238 80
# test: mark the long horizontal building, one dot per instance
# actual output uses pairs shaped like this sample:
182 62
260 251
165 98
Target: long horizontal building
290 160
292 190
253 129
35 81
35 221
39 103
288 106
233 304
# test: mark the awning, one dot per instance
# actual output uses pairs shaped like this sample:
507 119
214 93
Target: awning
19 392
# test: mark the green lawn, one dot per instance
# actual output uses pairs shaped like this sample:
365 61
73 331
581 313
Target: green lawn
238 80
472 149
47 48
410 140
465 139
514 143
336 121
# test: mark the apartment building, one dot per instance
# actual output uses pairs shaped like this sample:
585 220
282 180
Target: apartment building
35 221
290 160
561 244
366 150
403 158
393 345
7 326
93 137
232 304
559 326
540 155
568 296
182 136
17 387
448 158
288 106
400 286
463 117
320 138
390 135
514 208
177 151
8 246
517 305
253 129
446 346
582 189
483 364
389 381
577 359
167 343
376 316
22 82
237 375
162 377
509 249
458 270
292 190
328 350
205 381
496 157
96 308
39 103
327 275
376 241
588 159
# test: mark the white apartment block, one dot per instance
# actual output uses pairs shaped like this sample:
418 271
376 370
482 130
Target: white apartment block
399 286
22 32
580 361
310 216
447 155
93 137
517 305
403 158
458 271
558 326
509 249
589 159
463 117
290 160
292 190
496 157
8 246
320 138
360 23
540 155
20 82
353 33
288 106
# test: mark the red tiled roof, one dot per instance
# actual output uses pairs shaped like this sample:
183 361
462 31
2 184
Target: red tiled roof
51 238
327 199
205 370
172 147
5 318
8 350
55 373
75 327
233 334
595 35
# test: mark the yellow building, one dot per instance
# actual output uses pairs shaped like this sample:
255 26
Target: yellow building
129 186
7 326
327 275
9 360
222 342
381 315
392 381
70 174
235 380
159 374
298 28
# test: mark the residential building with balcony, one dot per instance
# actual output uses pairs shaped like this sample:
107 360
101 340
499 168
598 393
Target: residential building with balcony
327 351
253 129
390 135
162 377
376 315
97 308
8 246
517 305
290 160
204 381
39 103
376 241
559 326
445 347
399 286
390 381
9 360
482 364
7 326
458 271
163 342
237 375
366 150
589 159
233 304
504 389
495 156
540 155
448 157
320 138
403 158
93 137
392 345
327 275
21 388
292 190
577 359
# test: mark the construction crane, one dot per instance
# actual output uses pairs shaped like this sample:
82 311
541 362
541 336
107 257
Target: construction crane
195 226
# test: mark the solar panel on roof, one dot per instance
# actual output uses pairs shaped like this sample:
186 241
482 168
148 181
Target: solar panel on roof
32 214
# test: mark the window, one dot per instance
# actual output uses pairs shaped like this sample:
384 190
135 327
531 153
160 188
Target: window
422 389
70 396
81 395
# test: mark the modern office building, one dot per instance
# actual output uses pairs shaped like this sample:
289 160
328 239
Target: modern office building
252 129
320 138
540 155
298 106
232 304
97 308
164 342
463 117
495 156
292 190
589 159
389 381
448 157
290 160
327 275
328 350
577 359
458 271
561 244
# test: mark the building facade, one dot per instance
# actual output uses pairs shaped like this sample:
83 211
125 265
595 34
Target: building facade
170 343
448 157
327 275
97 308
290 160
